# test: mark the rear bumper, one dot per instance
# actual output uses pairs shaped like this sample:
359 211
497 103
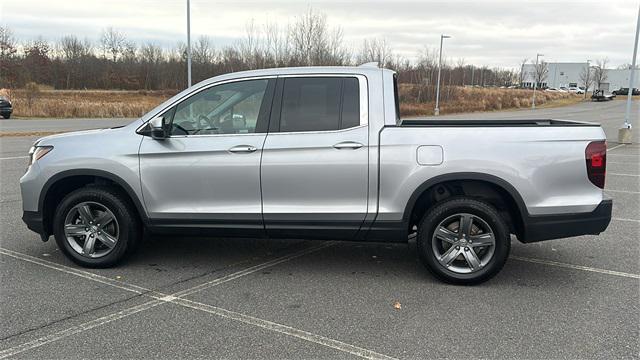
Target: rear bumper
6 110
35 223
548 227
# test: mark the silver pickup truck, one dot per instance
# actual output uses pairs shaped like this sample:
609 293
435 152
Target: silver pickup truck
318 153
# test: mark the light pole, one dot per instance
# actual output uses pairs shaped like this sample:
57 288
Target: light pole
586 78
436 111
189 43
535 81
624 134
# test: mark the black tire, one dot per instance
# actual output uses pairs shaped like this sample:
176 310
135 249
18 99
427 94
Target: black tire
447 209
130 231
6 116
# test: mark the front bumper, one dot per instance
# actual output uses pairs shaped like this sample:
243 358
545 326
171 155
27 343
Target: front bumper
548 227
35 223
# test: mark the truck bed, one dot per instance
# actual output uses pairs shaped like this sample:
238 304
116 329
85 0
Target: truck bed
430 122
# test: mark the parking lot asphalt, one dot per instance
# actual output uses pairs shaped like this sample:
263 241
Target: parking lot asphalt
43 124
247 298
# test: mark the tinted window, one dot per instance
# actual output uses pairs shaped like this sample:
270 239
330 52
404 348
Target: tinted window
231 108
317 104
350 103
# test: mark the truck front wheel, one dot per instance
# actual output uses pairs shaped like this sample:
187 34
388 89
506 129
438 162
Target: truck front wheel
95 226
463 241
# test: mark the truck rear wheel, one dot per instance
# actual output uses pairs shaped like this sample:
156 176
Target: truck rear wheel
96 227
463 241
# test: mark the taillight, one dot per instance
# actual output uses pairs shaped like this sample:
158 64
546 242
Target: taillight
596 156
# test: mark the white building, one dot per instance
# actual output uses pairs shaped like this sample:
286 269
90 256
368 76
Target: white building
568 74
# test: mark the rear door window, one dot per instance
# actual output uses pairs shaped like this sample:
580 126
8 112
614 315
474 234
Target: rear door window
320 104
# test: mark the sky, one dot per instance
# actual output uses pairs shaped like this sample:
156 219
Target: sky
491 33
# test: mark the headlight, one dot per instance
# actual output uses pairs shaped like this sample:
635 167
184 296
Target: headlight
37 152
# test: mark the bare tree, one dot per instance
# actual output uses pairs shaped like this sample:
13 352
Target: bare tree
460 67
150 56
7 43
586 78
375 50
313 43
113 42
540 72
8 49
277 44
250 47
203 51
129 52
522 73
600 72
73 50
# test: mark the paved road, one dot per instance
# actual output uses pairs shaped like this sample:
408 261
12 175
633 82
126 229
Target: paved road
39 124
571 298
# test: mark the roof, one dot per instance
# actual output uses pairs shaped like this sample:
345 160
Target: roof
364 70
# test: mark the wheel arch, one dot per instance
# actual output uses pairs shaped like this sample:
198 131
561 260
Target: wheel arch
61 184
493 189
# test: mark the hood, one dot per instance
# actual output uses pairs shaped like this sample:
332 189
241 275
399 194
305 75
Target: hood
73 134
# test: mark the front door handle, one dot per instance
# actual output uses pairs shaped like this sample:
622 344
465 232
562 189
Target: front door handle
243 149
348 145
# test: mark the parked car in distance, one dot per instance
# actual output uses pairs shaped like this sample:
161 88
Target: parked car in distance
554 89
318 153
576 90
6 109
625 91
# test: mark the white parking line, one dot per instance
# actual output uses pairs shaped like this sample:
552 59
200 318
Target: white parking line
77 329
14 158
622 155
622 191
576 267
250 270
620 174
160 298
81 273
615 147
618 162
283 329
623 219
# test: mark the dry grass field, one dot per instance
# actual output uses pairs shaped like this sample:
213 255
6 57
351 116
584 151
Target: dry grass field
117 103
85 103
466 100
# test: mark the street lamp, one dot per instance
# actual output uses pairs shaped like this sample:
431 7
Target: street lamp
189 43
624 134
437 109
535 81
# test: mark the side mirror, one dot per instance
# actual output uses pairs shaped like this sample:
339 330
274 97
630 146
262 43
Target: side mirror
156 128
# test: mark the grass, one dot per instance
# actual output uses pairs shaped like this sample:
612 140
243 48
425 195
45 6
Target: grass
466 100
86 103
48 103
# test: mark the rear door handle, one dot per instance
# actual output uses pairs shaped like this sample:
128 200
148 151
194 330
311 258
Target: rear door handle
348 145
243 149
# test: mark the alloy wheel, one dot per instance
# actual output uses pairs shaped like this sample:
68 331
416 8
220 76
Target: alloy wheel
91 229
463 243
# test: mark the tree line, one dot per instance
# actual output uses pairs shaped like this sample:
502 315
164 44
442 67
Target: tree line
115 62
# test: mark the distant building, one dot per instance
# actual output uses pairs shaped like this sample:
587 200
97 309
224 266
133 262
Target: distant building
568 75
